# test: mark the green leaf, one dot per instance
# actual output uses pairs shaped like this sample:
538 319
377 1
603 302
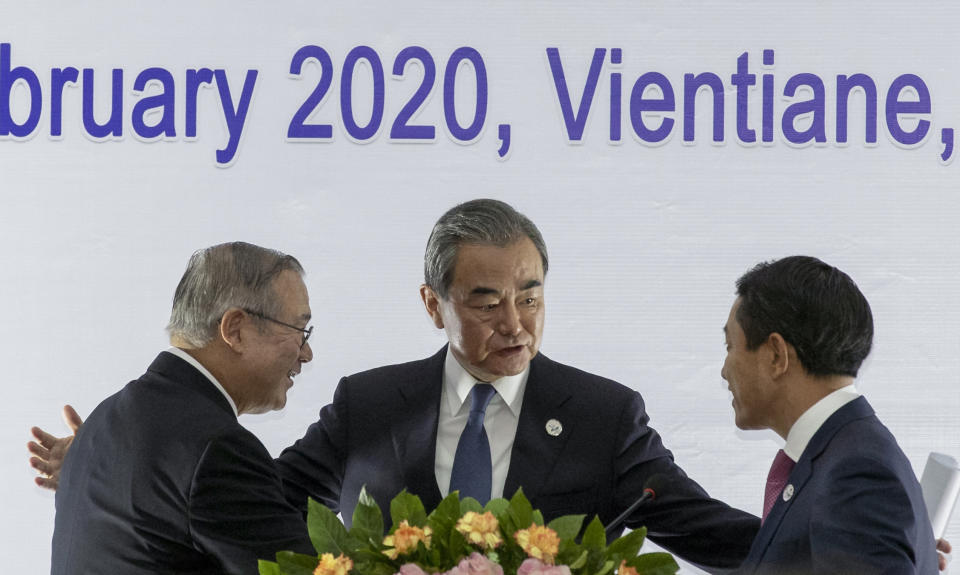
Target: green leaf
654 564
268 567
607 567
407 506
595 537
520 511
295 563
568 526
375 568
470 504
367 519
537 517
628 546
497 506
580 562
326 532
445 516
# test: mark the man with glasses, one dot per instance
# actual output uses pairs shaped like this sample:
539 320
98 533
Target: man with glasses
161 478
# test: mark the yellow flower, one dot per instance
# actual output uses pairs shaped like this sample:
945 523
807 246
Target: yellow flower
626 570
480 529
539 542
405 538
333 566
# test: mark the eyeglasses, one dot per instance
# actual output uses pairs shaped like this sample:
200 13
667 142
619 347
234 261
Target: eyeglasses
306 332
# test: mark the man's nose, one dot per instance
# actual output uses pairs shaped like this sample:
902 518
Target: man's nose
306 353
509 320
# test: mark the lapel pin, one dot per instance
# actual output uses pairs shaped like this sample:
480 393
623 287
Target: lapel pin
554 427
788 492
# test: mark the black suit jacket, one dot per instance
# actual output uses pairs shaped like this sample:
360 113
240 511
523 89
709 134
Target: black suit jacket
381 431
161 478
855 508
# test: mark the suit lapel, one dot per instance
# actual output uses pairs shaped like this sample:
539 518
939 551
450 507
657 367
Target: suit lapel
414 428
856 409
535 451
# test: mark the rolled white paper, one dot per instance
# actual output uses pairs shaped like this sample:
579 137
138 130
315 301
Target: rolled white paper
941 486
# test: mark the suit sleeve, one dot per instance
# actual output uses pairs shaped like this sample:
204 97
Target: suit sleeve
683 518
862 521
237 511
313 466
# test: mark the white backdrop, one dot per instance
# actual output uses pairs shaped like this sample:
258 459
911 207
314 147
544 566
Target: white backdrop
645 240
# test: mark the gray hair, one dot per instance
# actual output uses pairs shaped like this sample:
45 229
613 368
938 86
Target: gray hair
221 277
485 222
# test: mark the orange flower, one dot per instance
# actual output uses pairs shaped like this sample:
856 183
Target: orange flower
480 529
539 542
626 570
405 538
333 566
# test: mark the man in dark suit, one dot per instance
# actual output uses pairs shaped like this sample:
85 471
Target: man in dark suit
161 478
841 496
575 442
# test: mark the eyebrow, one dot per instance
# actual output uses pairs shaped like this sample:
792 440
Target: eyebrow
481 290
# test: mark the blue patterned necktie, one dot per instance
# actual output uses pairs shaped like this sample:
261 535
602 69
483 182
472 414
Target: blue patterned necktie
472 472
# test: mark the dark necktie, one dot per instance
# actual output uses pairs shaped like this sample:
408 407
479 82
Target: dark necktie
472 472
776 480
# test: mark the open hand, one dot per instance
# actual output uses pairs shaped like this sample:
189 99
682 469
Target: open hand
48 450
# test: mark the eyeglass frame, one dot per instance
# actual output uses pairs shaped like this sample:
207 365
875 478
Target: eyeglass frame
306 332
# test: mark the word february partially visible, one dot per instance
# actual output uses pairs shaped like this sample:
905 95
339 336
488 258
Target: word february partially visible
650 107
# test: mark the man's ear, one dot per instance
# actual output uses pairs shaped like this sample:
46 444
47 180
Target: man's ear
431 301
779 354
231 328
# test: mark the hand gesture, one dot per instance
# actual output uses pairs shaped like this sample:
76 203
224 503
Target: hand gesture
48 451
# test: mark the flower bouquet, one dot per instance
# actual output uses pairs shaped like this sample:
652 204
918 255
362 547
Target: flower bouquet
464 538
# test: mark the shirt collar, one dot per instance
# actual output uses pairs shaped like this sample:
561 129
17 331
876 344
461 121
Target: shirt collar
199 366
457 382
812 419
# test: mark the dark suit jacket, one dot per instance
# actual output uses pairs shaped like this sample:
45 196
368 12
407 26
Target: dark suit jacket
381 431
856 506
162 479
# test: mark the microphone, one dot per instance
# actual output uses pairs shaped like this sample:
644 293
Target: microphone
655 483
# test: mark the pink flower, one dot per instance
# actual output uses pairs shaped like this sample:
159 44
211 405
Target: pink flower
533 566
476 564
411 569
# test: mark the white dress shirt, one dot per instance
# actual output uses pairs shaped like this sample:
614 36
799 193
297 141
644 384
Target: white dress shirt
812 419
500 421
193 361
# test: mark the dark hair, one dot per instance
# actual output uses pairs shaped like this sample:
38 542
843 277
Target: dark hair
815 307
487 222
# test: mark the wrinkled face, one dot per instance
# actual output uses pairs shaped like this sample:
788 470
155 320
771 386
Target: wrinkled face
277 356
752 394
493 313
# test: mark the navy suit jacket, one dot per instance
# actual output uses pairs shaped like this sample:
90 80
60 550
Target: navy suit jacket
381 432
856 506
161 478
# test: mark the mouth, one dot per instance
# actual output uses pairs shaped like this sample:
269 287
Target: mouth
292 374
511 351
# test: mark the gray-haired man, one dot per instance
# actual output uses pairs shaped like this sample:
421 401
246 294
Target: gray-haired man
161 478
575 442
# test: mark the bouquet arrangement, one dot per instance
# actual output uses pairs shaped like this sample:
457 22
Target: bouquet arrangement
464 538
